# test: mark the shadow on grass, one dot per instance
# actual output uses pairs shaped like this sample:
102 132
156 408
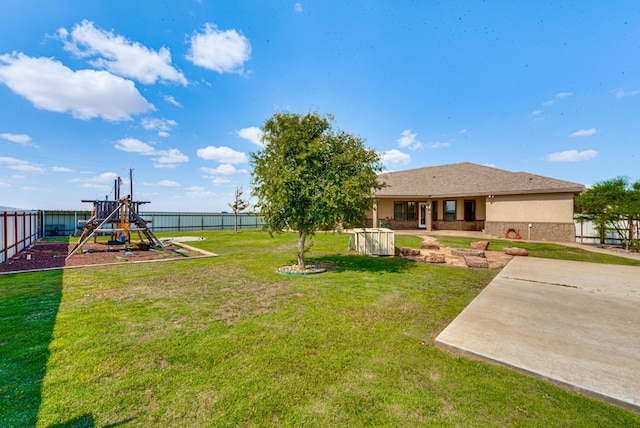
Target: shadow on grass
343 263
28 308
86 421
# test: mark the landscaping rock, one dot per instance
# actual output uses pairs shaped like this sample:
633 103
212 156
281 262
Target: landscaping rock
476 262
480 245
515 251
406 251
426 245
466 252
434 258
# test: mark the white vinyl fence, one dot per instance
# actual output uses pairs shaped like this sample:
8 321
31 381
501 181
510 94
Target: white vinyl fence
587 233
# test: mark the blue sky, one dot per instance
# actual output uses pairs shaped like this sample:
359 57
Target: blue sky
178 90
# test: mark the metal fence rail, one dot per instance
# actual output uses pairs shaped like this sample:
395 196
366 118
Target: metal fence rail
18 230
175 221
65 223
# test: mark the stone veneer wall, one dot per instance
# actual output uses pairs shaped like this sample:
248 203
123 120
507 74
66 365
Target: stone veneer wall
557 232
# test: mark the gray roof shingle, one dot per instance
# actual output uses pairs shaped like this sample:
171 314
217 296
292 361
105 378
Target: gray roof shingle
468 179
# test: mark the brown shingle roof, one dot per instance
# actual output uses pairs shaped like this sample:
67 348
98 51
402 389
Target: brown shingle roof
468 179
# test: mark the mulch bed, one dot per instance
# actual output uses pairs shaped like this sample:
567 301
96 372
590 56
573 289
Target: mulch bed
49 255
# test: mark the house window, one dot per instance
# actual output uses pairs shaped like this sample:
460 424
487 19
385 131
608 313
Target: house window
398 211
411 211
450 210
469 210
434 210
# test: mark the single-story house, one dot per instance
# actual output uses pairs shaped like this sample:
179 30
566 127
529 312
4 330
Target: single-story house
472 197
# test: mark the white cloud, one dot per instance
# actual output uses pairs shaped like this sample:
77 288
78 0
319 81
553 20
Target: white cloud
3 184
86 94
133 145
161 158
30 189
224 169
22 139
222 154
169 158
62 169
298 7
198 192
408 139
438 144
571 156
119 55
538 114
222 51
621 93
94 186
103 182
394 157
252 134
556 97
218 181
105 177
584 133
163 183
171 100
20 165
163 126
463 131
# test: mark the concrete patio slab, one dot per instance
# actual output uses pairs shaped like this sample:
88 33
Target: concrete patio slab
576 324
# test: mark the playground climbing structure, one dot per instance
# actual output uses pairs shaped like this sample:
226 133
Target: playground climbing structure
119 218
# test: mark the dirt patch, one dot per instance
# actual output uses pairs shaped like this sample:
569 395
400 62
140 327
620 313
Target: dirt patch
307 270
51 255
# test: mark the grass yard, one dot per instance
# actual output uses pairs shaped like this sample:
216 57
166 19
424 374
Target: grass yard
228 341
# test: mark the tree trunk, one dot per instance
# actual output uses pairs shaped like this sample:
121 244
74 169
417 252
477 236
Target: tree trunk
302 236
235 221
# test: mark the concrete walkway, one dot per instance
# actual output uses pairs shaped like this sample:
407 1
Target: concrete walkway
576 324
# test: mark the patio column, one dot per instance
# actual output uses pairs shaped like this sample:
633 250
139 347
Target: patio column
375 213
429 226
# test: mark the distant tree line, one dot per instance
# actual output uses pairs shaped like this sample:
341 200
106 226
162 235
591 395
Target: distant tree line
613 205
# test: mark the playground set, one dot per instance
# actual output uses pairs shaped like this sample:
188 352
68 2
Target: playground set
119 218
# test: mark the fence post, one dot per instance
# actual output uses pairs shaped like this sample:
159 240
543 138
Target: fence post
4 235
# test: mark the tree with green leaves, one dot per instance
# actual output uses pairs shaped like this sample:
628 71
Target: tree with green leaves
238 206
311 177
613 205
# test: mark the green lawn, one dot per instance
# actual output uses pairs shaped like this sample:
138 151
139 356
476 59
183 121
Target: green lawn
228 341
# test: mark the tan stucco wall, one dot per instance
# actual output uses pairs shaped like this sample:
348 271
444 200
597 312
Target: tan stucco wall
544 217
550 215
385 208
543 208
